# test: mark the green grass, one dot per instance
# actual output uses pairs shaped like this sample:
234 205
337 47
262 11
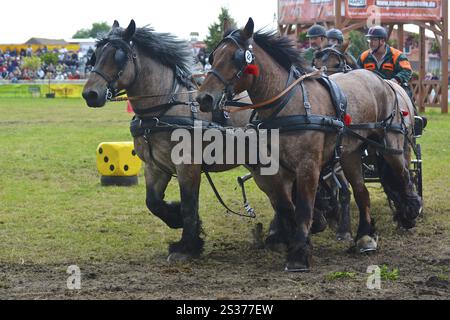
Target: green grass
340 275
388 275
54 210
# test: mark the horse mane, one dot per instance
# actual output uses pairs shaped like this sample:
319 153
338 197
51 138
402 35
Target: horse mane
163 47
280 48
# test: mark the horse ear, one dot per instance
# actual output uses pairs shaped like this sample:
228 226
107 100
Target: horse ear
226 25
129 31
344 46
115 24
248 29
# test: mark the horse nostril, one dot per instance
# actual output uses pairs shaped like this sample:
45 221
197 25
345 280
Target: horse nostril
206 101
90 95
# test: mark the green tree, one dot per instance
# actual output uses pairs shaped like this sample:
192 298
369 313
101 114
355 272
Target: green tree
394 43
216 29
358 43
50 58
435 47
97 30
32 63
82 34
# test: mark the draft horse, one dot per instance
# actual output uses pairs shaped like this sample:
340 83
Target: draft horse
316 129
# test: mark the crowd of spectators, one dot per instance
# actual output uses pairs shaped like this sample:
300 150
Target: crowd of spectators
67 67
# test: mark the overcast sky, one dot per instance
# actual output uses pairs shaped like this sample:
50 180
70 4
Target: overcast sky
60 19
24 19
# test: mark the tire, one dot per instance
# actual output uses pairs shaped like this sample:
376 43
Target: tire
418 179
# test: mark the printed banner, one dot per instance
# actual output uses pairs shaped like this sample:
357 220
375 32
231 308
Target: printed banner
40 90
395 10
304 11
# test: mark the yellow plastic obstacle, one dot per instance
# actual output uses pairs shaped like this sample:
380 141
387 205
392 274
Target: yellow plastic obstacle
118 163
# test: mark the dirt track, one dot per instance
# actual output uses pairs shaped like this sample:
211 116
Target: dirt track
230 270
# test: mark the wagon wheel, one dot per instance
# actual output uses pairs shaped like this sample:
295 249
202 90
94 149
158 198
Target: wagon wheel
417 170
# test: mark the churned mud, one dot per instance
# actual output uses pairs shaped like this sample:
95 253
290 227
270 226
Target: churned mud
241 270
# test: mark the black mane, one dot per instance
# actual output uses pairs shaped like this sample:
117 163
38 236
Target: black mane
280 48
164 47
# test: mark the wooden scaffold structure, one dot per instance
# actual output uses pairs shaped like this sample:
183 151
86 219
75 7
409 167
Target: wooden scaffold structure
347 15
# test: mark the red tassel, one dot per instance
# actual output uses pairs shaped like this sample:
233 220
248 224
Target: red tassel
405 113
252 69
347 120
129 107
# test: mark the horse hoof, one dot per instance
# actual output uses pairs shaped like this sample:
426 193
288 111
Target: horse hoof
296 267
345 236
366 244
178 257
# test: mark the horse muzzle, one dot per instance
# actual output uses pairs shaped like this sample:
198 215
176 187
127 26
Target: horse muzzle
94 98
207 102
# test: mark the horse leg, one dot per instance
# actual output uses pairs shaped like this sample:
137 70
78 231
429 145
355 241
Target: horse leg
319 221
190 244
156 182
300 250
398 186
344 232
282 224
365 238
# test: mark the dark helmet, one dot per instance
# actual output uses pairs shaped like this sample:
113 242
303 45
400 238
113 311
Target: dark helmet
377 32
316 31
335 34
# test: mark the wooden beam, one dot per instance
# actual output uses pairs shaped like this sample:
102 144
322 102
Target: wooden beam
391 28
355 26
401 37
338 14
444 58
289 29
429 27
422 40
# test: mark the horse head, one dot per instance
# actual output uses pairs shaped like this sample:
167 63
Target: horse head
233 68
335 59
114 62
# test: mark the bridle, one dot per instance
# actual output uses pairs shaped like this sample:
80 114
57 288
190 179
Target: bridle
324 55
124 54
242 58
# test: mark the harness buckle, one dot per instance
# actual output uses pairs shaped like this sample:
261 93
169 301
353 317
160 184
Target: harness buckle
258 127
223 100
157 122
109 94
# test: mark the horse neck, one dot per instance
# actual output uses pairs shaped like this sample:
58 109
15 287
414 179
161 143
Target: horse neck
153 79
270 82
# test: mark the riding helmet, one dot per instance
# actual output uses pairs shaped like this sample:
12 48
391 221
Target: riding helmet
316 31
335 34
377 32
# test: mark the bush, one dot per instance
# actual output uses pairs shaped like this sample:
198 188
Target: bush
50 58
32 63
358 43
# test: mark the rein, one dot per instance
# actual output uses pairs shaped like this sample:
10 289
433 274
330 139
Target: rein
277 97
120 99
